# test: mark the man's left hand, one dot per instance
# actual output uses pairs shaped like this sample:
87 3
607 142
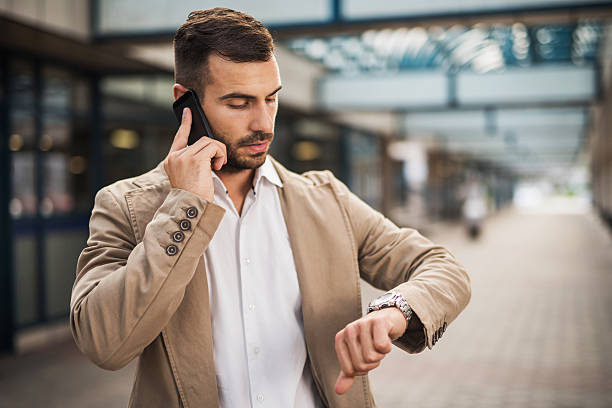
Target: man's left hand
362 344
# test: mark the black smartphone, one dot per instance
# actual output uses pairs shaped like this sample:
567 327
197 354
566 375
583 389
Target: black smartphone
199 123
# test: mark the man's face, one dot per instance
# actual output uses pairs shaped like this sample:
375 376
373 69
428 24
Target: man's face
240 102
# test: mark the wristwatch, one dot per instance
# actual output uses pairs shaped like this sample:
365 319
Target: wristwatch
391 299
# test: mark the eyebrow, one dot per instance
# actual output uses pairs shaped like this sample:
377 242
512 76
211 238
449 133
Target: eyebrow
245 96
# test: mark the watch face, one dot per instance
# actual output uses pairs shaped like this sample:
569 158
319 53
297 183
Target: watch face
384 298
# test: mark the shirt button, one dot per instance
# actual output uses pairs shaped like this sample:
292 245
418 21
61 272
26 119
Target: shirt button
171 249
252 308
260 398
257 350
247 260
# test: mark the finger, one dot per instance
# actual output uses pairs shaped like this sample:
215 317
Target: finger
195 148
202 140
354 346
344 357
213 149
343 383
380 335
369 353
212 152
220 161
182 134
202 143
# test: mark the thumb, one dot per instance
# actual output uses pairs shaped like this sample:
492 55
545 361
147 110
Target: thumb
343 383
182 134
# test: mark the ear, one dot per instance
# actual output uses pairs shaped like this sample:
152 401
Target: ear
178 90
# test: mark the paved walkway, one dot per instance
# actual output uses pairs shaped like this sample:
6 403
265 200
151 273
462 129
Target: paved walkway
537 332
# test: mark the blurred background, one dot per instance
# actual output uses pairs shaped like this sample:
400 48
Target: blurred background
486 124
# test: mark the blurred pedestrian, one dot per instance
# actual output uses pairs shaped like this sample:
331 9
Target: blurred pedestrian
474 207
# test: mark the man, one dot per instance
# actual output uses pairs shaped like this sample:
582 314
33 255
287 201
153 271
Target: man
236 281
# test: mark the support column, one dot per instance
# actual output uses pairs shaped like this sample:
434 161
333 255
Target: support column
6 236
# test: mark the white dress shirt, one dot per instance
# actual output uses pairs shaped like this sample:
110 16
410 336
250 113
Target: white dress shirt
256 308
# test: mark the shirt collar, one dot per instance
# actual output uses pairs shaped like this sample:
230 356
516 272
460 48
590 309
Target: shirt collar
268 171
218 184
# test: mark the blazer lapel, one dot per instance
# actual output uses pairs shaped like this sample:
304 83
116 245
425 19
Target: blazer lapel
327 274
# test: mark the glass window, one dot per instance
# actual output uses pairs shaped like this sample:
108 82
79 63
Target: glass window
56 91
49 136
137 136
22 139
315 145
23 202
65 142
58 195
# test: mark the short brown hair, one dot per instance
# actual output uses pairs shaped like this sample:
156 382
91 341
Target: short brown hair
228 33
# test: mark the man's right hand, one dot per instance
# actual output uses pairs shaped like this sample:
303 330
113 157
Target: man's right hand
190 167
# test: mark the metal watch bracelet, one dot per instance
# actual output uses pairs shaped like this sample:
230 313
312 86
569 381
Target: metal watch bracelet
391 299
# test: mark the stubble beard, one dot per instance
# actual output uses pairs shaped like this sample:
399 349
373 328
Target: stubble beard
237 161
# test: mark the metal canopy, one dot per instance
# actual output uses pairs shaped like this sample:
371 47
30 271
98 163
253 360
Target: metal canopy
366 9
421 90
520 140
117 19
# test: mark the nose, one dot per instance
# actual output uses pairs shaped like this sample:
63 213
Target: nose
262 119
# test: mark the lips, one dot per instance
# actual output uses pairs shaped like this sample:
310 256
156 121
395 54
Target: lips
258 147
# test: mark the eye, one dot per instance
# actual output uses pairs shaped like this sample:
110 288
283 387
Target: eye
237 103
271 100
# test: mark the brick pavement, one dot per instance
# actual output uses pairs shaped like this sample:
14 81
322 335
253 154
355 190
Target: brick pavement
536 334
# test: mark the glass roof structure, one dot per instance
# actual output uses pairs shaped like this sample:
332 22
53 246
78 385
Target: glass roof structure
539 81
479 48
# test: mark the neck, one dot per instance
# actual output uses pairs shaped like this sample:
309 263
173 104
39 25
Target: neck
237 180
238 184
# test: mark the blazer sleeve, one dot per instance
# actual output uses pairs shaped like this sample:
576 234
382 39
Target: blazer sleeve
434 284
126 292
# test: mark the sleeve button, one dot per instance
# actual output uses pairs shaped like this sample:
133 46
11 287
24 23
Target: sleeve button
178 236
185 225
192 212
171 249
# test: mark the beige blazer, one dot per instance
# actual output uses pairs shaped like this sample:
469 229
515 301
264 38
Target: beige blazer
134 297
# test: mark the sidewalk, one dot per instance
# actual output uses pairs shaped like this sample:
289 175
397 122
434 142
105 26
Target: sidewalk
61 377
537 331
